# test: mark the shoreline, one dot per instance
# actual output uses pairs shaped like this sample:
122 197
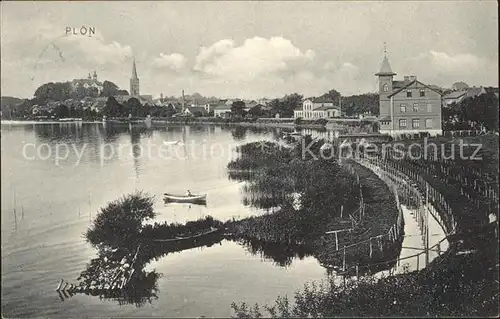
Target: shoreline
290 125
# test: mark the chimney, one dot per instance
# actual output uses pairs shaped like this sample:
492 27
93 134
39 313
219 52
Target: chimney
407 79
183 108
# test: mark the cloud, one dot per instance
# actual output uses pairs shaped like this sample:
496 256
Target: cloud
256 57
174 61
95 50
444 62
444 69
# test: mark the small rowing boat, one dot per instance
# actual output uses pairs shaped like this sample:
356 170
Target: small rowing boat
185 198
170 142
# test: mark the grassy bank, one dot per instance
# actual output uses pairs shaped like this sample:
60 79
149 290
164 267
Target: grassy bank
278 177
461 282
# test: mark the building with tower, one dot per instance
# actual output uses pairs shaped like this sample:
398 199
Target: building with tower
134 81
89 86
407 106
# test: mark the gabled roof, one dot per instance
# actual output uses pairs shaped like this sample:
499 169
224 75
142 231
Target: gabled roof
324 108
317 100
475 91
397 84
410 83
385 68
454 95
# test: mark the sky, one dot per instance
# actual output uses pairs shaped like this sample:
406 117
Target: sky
248 49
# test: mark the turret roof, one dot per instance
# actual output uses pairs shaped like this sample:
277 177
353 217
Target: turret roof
385 68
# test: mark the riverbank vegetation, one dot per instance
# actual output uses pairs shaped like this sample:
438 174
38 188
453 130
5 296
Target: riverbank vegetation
121 224
306 197
125 243
461 282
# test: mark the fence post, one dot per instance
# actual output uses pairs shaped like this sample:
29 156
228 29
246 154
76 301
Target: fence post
336 241
343 264
371 249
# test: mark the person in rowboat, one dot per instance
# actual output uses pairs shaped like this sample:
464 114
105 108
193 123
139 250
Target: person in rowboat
189 193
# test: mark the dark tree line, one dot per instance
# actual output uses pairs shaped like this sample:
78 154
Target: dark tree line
133 107
475 113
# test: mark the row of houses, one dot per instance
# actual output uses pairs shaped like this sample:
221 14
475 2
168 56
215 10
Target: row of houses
463 93
219 108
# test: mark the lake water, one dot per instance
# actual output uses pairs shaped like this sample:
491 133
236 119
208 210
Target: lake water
51 193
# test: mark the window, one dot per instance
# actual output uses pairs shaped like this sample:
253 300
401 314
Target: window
422 93
402 123
385 88
429 107
415 107
415 123
428 123
408 93
402 108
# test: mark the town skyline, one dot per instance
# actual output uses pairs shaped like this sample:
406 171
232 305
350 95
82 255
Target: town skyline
249 57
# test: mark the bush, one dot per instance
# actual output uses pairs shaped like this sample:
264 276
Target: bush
120 222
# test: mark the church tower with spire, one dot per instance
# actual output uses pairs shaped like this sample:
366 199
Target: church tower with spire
134 82
385 86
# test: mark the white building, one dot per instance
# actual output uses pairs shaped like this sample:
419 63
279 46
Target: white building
222 110
312 109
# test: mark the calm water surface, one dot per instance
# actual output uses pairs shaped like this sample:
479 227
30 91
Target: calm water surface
55 201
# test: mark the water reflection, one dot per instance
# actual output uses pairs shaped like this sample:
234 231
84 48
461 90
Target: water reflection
281 255
128 281
239 133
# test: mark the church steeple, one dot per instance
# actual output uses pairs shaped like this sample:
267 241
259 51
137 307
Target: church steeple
134 81
385 88
385 68
134 71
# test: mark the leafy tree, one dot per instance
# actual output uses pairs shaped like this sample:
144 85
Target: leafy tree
132 106
360 104
113 108
109 89
120 222
80 92
274 106
53 91
332 96
61 111
289 103
238 108
255 111
480 112
170 110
